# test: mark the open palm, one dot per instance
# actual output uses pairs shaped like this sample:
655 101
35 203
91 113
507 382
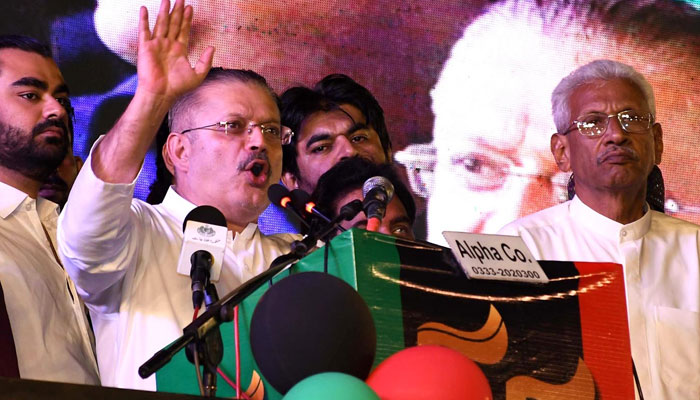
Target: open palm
163 67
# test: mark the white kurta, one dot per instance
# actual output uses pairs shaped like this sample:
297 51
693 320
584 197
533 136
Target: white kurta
661 260
48 320
123 255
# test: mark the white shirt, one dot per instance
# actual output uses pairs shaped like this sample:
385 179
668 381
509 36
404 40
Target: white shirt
660 256
49 326
123 255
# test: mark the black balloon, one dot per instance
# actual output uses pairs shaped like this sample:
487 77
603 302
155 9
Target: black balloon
310 323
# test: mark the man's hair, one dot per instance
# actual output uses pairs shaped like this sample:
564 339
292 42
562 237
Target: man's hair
604 70
24 43
300 102
180 112
351 174
179 120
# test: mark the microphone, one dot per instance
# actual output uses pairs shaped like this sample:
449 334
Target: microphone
377 192
302 201
281 196
203 246
347 212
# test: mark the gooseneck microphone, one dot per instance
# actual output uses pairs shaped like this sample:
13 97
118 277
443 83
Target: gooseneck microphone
302 201
378 192
202 248
281 196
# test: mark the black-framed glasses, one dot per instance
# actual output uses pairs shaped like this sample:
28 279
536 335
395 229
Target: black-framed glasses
238 127
595 124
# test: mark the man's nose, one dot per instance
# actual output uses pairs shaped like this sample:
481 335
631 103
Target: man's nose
344 147
255 137
615 132
53 109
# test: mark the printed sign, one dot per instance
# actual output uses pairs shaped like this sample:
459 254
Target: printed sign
495 257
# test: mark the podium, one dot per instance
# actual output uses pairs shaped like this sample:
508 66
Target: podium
565 339
27 389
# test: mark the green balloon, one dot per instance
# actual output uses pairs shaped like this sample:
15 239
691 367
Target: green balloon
331 385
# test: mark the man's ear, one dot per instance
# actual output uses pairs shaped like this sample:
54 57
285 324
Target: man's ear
290 180
559 145
658 142
176 152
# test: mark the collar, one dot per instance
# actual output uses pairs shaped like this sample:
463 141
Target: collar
249 231
176 205
179 207
10 199
607 227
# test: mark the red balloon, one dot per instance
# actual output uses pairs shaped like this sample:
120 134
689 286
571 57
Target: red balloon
429 373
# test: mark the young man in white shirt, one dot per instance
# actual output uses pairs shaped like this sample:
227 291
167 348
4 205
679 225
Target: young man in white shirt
51 334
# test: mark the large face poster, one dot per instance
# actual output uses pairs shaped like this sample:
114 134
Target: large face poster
465 86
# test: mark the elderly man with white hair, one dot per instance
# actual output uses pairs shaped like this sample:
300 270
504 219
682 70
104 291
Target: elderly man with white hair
607 136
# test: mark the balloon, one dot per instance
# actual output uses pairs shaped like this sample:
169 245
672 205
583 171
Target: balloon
310 323
331 385
428 373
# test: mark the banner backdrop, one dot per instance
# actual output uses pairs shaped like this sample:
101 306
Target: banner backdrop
465 86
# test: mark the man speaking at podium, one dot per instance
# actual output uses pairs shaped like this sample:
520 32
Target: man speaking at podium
226 150
608 138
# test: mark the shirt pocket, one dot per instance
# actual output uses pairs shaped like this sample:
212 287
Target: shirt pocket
678 340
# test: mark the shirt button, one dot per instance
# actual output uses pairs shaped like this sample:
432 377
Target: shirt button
623 233
28 207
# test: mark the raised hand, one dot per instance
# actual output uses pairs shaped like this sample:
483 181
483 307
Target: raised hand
162 65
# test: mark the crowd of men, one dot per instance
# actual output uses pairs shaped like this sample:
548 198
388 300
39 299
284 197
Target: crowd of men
229 139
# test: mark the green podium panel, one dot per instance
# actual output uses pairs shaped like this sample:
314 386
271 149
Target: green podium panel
565 339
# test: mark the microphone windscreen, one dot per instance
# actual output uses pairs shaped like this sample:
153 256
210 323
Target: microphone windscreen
276 193
378 182
309 323
205 214
350 210
299 199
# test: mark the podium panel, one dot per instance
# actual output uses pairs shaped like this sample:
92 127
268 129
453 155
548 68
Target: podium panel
564 339
26 389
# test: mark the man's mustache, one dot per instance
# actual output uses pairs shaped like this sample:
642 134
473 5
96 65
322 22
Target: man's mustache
631 153
260 155
49 123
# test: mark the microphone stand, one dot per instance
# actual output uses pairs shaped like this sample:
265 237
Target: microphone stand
208 352
222 310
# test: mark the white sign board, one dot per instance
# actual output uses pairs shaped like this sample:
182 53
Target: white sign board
495 257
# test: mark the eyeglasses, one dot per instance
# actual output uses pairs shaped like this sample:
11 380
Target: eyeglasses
237 127
595 124
480 171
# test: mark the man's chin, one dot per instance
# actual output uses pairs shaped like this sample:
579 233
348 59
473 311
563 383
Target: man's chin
46 153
